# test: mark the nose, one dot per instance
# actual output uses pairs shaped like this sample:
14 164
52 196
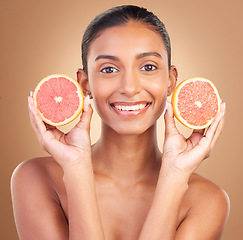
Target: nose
130 84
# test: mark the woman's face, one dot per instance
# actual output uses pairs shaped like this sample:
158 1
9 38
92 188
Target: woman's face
128 77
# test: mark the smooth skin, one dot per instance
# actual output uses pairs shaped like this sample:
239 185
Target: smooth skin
122 187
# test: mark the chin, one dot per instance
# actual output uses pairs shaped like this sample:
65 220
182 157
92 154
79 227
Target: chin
131 128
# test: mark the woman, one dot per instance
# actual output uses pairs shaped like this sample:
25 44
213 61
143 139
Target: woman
122 187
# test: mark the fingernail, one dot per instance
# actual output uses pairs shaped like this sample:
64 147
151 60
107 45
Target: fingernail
29 104
166 105
31 93
222 111
224 107
88 98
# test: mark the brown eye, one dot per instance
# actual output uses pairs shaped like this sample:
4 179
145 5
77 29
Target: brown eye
148 67
108 70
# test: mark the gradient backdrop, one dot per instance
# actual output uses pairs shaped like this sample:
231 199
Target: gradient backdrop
43 37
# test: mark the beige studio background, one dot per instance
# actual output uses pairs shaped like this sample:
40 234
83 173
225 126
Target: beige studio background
43 37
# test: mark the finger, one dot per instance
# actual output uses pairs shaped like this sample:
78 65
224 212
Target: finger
86 116
196 136
44 132
220 125
215 129
49 127
199 131
206 143
170 127
35 120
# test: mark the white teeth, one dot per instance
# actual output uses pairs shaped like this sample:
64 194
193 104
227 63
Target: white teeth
130 108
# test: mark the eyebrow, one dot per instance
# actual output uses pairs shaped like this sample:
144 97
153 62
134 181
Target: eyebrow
139 56
107 57
147 54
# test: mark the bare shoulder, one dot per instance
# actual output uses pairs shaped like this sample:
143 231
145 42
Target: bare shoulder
204 191
35 185
207 207
37 177
43 169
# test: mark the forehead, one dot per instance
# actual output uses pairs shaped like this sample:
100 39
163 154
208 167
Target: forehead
130 38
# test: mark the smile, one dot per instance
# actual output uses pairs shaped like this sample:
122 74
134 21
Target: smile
130 109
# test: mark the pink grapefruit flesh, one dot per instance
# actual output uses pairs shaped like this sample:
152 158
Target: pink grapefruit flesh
196 102
59 99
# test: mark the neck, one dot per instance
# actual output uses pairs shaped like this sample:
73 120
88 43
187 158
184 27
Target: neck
127 158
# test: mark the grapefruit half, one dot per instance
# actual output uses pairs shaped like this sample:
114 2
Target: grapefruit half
59 99
196 102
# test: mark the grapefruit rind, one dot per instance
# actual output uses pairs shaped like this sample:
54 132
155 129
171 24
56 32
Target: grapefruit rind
174 101
79 92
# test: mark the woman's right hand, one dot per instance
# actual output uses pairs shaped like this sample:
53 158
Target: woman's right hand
67 149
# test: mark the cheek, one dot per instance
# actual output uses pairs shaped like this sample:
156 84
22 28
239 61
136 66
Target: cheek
158 90
100 93
158 86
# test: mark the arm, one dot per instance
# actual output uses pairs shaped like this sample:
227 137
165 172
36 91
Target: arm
84 218
72 151
162 219
37 210
181 157
208 214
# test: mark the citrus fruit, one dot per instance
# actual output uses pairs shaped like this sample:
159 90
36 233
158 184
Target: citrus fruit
59 99
195 102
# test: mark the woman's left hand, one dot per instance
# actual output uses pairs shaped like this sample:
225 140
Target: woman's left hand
183 155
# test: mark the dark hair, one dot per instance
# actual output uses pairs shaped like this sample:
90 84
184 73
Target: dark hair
121 15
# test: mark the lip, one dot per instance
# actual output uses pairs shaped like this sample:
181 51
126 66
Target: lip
132 106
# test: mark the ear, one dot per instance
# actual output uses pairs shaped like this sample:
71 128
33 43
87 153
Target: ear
173 75
84 82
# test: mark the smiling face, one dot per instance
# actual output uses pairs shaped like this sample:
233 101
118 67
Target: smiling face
128 77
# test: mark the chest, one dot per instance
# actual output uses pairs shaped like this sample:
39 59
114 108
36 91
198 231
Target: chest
123 210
